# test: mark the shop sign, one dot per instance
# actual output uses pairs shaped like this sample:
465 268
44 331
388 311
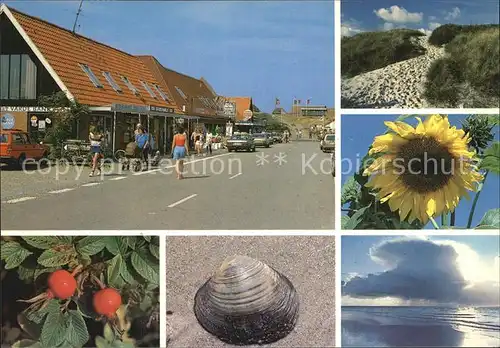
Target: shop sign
230 109
130 109
41 125
24 109
161 109
247 114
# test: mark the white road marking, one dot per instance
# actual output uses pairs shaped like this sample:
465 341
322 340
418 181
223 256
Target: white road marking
182 200
118 178
234 176
18 200
62 191
185 163
90 184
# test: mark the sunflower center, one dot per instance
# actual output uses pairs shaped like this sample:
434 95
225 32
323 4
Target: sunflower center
425 164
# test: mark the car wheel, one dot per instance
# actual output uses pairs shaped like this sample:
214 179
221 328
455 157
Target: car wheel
229 150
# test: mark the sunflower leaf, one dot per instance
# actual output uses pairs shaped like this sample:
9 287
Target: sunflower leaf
490 220
491 159
356 219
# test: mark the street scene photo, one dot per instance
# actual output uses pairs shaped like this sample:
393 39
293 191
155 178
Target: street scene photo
80 291
227 125
420 54
420 172
436 291
266 291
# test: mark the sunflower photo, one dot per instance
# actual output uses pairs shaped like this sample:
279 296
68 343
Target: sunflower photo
420 172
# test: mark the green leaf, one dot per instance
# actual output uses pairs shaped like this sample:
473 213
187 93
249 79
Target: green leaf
147 238
54 329
154 250
91 245
130 241
146 267
41 242
343 221
39 271
155 240
494 120
31 328
26 273
355 219
491 159
100 342
490 220
349 190
108 333
120 344
77 334
52 258
114 269
27 344
126 274
116 245
38 316
65 239
13 254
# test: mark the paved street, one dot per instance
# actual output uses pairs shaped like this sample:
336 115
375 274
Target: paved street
225 191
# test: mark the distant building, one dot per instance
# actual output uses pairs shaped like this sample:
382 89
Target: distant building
312 110
279 111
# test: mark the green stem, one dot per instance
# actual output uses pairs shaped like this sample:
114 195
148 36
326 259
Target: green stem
452 222
434 223
444 219
474 203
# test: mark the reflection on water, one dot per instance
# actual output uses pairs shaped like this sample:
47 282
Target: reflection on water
420 327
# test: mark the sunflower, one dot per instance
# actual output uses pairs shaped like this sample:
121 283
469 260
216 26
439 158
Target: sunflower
423 171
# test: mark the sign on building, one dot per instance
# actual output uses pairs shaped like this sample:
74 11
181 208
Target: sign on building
247 115
230 109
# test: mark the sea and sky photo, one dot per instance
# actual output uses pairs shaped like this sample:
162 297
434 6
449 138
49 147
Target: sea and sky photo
420 172
437 291
420 54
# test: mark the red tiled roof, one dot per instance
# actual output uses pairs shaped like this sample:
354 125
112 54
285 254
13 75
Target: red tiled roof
64 51
242 104
192 88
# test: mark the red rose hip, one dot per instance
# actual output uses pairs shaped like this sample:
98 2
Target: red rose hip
62 285
106 302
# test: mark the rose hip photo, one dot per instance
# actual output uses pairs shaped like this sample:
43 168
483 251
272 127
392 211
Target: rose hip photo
80 291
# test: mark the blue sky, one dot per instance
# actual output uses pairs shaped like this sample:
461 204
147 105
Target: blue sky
399 270
375 15
355 143
258 49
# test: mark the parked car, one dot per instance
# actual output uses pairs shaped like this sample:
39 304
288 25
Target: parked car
262 140
240 142
16 146
328 143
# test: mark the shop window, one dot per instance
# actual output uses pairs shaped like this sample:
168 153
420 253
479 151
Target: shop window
90 74
111 81
4 138
17 139
18 77
4 76
148 89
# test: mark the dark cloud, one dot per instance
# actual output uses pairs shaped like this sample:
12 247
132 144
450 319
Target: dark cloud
418 270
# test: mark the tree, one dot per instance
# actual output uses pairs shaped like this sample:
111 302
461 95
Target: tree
64 114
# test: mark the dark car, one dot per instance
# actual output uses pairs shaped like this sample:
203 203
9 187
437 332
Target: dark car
240 142
262 139
278 138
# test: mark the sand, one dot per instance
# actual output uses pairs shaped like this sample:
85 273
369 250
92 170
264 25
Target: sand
307 261
399 85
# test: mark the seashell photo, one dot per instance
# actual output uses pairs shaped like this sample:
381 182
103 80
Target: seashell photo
252 291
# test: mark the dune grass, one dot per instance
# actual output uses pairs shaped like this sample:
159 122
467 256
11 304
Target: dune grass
374 50
447 32
470 73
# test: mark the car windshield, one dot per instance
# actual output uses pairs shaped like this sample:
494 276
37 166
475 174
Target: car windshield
330 137
259 135
3 138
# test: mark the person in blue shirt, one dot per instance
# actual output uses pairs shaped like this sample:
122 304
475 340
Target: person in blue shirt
142 141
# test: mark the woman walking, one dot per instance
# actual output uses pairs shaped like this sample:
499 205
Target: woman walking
180 151
95 138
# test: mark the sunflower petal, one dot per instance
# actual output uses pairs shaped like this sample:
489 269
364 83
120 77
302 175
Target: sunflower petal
401 128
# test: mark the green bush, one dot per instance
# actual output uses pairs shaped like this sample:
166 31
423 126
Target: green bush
446 33
129 265
374 50
470 68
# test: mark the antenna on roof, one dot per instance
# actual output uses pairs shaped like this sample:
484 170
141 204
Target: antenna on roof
77 15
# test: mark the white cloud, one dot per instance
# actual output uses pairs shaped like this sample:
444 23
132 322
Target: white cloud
396 14
388 26
425 31
453 14
350 27
434 25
